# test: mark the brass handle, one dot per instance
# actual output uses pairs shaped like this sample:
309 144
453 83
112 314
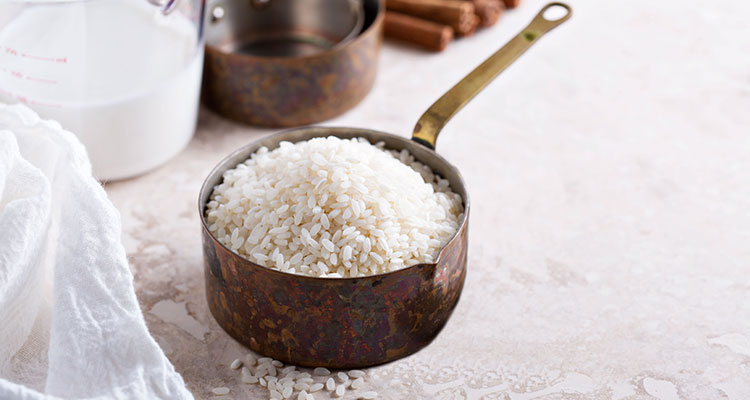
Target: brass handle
432 121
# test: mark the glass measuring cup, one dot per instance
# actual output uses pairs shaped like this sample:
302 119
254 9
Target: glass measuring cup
123 75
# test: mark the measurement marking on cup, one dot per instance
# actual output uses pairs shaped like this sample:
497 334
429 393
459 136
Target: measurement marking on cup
14 52
40 58
20 75
41 80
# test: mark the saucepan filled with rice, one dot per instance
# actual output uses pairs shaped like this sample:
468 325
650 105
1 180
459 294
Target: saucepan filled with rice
343 247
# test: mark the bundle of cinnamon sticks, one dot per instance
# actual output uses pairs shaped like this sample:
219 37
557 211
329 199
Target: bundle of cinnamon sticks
433 24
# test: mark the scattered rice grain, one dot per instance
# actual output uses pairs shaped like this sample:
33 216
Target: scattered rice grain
220 391
355 373
357 383
250 359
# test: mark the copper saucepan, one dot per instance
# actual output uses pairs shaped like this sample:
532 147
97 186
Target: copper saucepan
353 322
291 63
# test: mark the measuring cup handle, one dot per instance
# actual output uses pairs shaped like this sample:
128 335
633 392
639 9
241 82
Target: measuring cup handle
166 7
434 119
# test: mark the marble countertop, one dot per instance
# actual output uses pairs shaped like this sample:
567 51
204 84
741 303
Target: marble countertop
610 238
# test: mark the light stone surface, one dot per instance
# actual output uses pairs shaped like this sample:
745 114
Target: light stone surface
609 255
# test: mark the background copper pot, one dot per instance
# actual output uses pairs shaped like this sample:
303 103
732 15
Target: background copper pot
353 322
283 91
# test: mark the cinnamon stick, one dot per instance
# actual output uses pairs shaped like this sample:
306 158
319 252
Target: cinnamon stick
474 24
458 14
428 34
489 11
511 3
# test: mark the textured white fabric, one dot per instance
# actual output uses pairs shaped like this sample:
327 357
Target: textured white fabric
70 324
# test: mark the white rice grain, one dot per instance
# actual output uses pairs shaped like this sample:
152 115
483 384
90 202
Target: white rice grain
250 359
355 373
220 391
357 383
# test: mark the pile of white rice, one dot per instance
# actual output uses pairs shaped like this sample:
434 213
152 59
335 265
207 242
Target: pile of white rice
334 208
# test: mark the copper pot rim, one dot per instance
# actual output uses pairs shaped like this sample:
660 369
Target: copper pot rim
336 49
222 167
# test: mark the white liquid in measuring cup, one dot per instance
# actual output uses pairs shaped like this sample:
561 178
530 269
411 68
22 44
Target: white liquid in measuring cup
120 75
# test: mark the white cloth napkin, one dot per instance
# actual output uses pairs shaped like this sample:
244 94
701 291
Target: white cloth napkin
70 324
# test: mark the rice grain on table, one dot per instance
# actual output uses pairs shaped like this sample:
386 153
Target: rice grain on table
330 385
220 391
332 207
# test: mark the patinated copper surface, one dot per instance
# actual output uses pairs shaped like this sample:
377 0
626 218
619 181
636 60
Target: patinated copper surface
335 323
293 91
